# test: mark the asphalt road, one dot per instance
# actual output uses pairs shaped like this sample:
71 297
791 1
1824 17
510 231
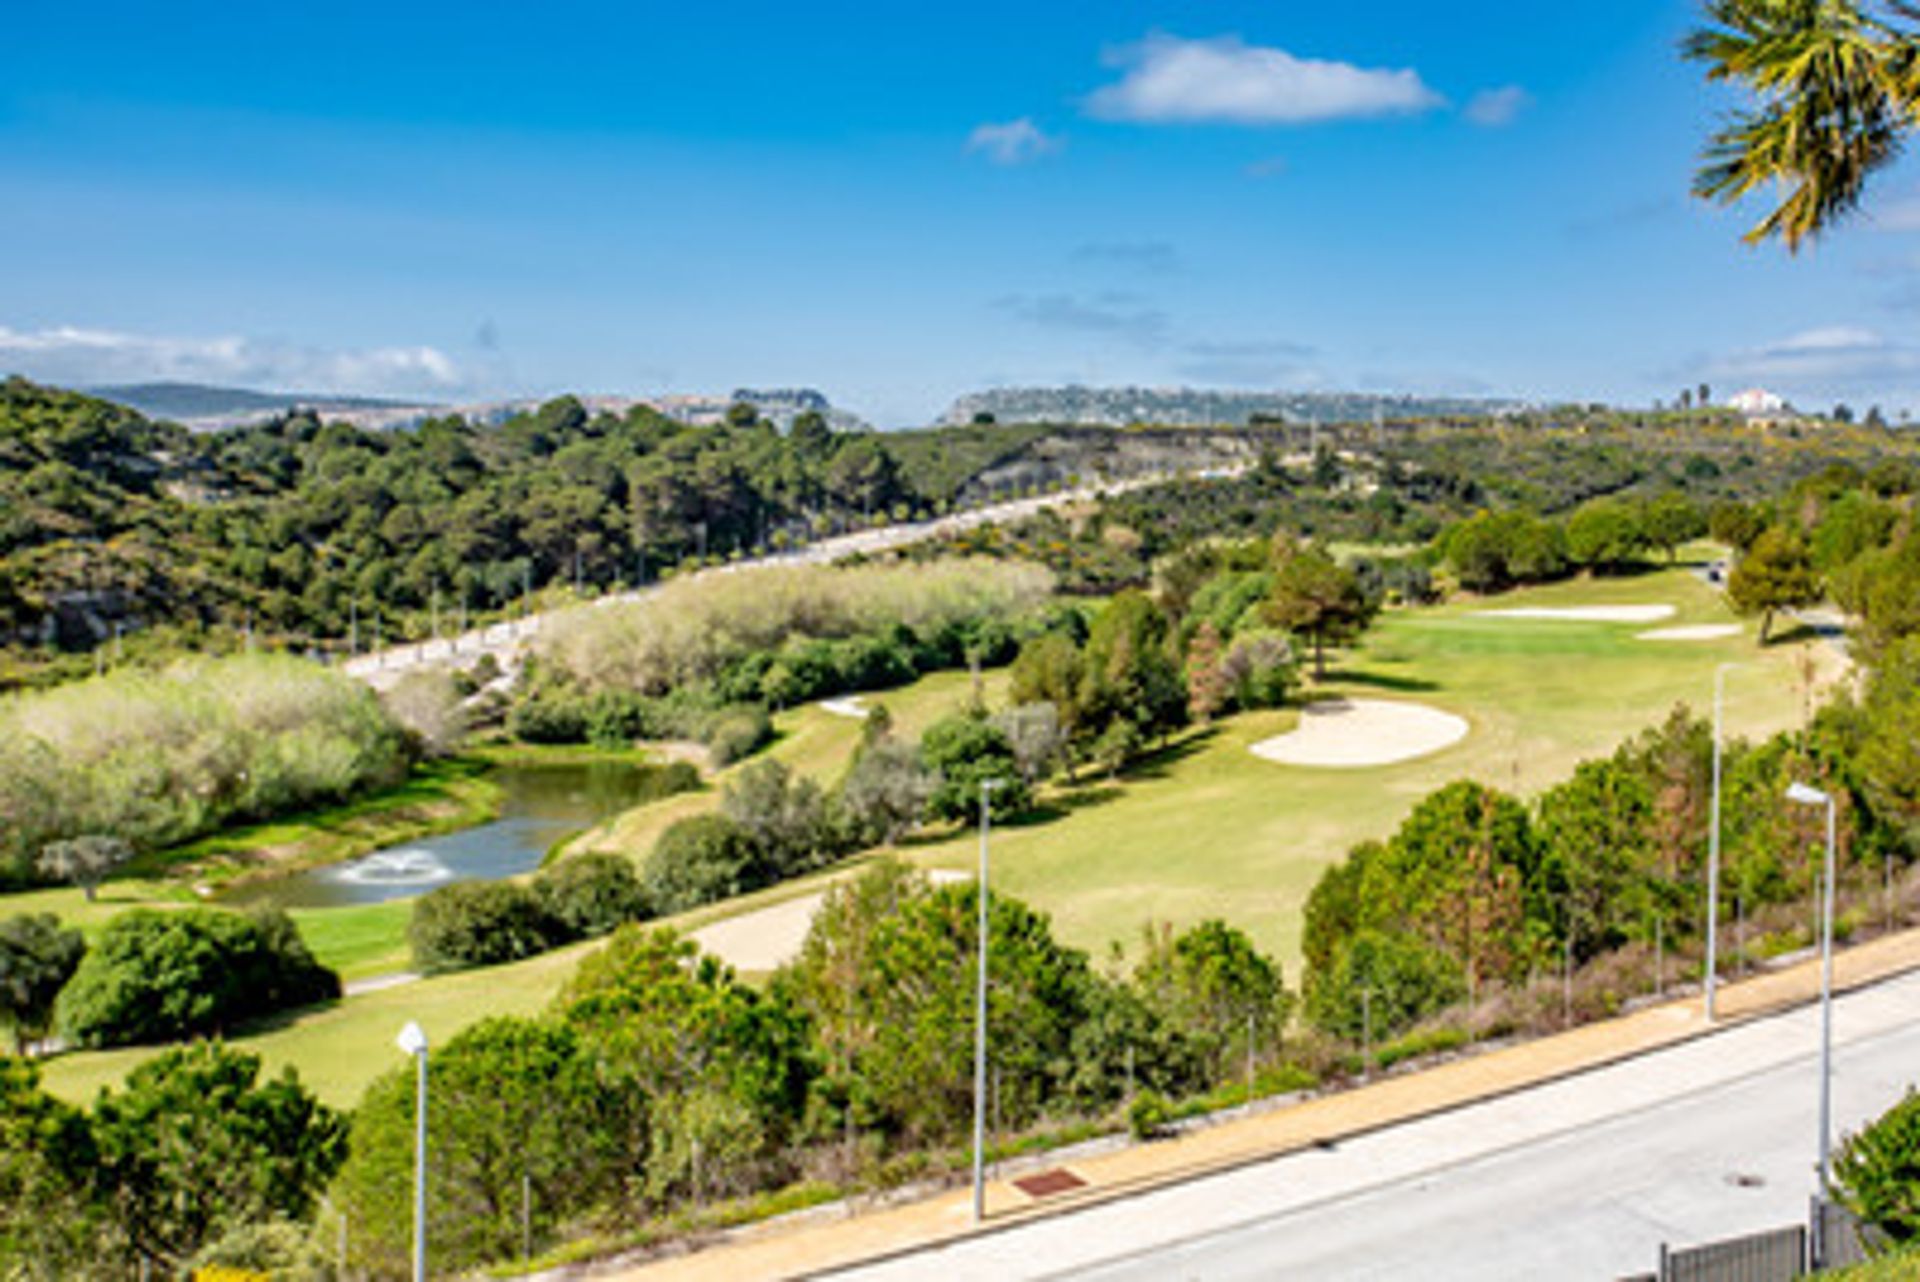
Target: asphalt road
1579 1179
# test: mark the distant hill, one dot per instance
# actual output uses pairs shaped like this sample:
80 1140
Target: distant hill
1189 406
200 404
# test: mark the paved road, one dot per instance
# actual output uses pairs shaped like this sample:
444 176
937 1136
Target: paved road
1579 1179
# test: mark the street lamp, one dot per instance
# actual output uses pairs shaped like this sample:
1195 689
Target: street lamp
1806 796
413 1040
1713 848
980 1018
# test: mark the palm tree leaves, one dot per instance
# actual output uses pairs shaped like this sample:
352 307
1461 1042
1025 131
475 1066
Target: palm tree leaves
1838 84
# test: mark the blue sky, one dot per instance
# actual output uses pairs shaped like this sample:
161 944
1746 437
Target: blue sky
900 203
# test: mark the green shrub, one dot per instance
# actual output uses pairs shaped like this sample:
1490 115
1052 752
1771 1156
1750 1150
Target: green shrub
156 976
1877 1171
701 859
735 732
1148 1115
589 895
476 923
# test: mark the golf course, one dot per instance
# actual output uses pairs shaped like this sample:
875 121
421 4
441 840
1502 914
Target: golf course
1205 827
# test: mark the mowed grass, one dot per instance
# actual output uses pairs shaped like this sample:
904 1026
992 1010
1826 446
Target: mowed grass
1203 829
1210 830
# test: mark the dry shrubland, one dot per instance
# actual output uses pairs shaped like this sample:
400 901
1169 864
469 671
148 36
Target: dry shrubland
689 629
161 757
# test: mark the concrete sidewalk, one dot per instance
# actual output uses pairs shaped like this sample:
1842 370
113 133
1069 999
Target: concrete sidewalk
814 1245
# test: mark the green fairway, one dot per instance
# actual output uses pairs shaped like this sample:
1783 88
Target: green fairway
1204 829
1211 830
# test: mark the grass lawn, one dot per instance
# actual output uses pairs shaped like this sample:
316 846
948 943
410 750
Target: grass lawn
1208 829
1204 829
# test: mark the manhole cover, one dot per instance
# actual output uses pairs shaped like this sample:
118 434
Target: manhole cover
1743 1180
1047 1183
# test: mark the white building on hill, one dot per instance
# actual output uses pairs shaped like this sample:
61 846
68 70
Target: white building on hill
1758 402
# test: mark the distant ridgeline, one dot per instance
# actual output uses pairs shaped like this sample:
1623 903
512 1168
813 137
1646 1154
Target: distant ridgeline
207 408
1119 406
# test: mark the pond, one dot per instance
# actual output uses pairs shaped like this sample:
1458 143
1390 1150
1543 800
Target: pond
541 805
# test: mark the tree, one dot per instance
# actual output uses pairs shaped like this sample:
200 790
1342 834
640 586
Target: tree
1034 733
1595 832
908 1017
196 1144
37 958
49 1217
698 860
154 976
1316 597
1216 987
519 1108
589 895
1670 520
85 860
785 817
1051 669
1888 756
1775 574
476 923
1379 983
1604 534
1877 1172
1837 95
1130 674
1736 524
724 1069
963 752
886 791
1208 685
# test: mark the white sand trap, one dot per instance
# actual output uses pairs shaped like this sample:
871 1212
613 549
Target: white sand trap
770 937
1363 732
846 706
1586 613
1691 632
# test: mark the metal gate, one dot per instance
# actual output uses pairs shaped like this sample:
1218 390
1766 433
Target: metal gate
1778 1255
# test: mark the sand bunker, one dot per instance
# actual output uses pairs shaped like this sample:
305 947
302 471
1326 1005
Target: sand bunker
1691 632
1363 732
770 937
1586 613
847 706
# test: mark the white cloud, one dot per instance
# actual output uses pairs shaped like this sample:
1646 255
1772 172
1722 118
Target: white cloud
1831 359
1493 108
1014 143
75 356
1224 80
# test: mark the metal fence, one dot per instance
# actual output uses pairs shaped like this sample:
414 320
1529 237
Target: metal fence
1778 1255
1832 1238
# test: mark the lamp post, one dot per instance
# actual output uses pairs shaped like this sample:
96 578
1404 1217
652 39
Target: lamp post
1806 796
1713 849
413 1040
980 1018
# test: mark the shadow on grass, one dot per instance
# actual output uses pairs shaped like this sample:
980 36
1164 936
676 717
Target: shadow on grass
1382 681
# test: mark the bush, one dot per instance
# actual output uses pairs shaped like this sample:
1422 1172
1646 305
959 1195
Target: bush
699 860
1878 1172
156 976
1148 1115
587 896
548 718
476 923
735 732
